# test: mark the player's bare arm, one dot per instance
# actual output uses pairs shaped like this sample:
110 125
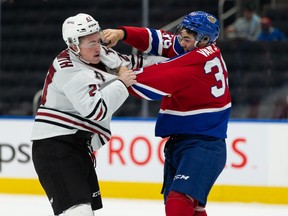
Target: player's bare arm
112 36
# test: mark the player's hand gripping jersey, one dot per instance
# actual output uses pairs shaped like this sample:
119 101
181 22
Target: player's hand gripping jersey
113 60
77 95
193 86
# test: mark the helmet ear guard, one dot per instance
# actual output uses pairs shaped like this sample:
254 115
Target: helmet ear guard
206 38
202 41
71 42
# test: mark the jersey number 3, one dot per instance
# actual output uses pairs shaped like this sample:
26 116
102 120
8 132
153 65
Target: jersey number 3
216 62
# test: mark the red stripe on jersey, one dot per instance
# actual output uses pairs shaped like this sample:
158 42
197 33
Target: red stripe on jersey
48 80
72 122
99 115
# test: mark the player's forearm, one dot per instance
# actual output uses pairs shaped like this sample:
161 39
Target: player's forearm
137 37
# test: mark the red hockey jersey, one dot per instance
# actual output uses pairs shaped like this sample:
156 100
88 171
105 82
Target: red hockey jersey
193 86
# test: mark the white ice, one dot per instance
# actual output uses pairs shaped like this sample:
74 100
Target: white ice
23 205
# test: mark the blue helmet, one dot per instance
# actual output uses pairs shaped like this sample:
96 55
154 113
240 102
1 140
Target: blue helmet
203 24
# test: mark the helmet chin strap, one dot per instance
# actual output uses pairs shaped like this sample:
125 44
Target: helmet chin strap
196 44
77 53
205 39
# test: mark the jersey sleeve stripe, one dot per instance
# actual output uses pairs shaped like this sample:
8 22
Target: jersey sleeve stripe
160 43
148 92
154 49
105 111
99 112
149 48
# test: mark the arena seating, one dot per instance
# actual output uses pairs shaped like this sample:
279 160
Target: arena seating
31 38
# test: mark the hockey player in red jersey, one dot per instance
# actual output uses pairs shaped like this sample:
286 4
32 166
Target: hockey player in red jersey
195 107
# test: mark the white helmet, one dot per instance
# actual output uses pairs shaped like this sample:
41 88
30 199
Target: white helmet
78 26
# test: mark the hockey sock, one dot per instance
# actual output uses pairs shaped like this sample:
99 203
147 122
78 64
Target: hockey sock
178 204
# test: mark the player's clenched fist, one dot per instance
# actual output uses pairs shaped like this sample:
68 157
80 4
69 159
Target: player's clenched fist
112 36
127 77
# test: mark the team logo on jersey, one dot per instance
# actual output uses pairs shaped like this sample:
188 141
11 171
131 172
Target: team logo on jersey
211 19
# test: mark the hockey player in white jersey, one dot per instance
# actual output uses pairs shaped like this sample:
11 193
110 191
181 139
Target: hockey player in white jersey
80 94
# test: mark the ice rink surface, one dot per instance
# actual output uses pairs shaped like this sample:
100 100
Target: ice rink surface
20 205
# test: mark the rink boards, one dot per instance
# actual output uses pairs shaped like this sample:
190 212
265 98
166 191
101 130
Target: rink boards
131 164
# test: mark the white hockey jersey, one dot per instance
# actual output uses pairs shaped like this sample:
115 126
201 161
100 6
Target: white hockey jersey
83 96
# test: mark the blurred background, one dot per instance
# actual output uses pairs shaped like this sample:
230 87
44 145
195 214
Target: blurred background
257 166
31 38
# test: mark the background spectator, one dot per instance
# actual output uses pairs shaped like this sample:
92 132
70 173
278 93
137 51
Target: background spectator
246 27
269 32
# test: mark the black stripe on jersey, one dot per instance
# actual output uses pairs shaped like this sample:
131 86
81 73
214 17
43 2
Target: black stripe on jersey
105 112
101 140
95 109
54 123
141 61
132 61
80 118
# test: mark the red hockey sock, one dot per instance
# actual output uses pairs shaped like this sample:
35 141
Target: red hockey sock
178 204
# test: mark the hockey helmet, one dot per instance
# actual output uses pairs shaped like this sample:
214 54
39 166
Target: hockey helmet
204 24
78 26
